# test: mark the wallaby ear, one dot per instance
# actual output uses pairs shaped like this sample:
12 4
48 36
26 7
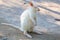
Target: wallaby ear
31 4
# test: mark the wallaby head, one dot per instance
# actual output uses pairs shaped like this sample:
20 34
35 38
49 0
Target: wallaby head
32 5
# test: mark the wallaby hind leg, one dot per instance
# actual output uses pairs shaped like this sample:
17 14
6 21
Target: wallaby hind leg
26 34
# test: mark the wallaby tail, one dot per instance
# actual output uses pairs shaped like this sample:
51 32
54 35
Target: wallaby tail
11 25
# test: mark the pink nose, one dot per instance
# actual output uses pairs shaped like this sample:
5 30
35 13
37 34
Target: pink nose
38 9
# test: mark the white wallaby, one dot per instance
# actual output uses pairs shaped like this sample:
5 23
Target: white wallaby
28 20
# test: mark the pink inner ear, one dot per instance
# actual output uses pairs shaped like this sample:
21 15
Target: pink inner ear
31 4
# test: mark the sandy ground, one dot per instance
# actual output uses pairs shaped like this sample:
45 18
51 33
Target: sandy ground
14 34
11 10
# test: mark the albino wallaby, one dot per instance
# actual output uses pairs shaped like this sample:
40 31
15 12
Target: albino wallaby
28 19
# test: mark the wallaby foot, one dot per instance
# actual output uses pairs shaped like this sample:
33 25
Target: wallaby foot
25 33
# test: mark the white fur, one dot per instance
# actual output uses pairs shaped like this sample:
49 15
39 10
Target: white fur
28 20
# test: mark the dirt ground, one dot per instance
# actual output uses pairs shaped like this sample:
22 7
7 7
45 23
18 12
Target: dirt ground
11 10
10 33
